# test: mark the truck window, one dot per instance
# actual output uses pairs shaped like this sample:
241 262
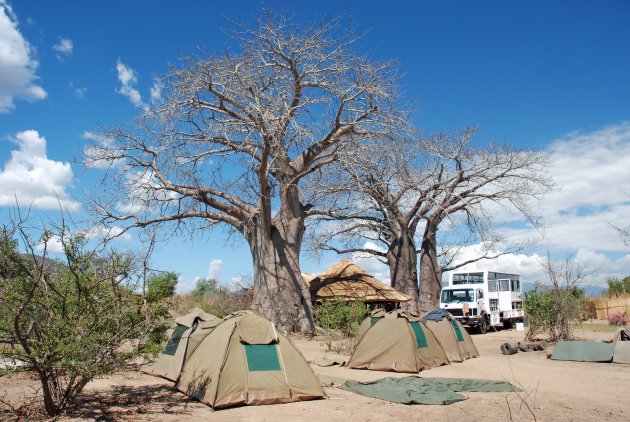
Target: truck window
468 278
504 285
494 305
457 295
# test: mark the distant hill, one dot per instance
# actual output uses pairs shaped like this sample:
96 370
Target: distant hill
589 290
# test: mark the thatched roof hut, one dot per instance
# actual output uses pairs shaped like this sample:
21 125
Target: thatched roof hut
349 282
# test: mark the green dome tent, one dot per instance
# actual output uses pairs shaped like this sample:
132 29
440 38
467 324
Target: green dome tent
455 340
370 320
245 361
189 330
397 341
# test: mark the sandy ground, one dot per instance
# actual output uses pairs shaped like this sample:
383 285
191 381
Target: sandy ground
553 391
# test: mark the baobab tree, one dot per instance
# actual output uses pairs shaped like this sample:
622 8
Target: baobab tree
234 137
396 195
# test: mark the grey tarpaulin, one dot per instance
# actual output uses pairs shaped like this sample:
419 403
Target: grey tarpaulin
435 315
584 351
416 390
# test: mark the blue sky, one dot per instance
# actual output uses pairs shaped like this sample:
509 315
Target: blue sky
553 75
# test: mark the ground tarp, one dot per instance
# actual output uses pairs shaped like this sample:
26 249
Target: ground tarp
622 352
584 351
416 390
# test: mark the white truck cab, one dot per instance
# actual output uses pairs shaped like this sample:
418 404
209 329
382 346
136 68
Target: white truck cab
482 299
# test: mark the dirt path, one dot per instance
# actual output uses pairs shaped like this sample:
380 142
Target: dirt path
553 390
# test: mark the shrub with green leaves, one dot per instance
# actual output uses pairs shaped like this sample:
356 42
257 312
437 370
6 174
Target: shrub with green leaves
73 318
340 315
552 311
618 287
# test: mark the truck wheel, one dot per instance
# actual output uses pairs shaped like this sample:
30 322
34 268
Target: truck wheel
483 325
507 324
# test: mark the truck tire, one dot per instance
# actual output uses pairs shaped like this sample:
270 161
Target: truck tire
483 325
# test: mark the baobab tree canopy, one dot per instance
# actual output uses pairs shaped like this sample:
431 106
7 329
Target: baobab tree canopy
235 135
387 192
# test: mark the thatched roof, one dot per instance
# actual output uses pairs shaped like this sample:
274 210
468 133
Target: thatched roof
348 281
307 277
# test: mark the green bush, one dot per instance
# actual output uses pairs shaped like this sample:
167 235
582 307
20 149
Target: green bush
341 316
552 311
220 302
204 287
72 319
618 287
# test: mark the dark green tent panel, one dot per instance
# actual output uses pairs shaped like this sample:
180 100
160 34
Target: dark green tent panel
584 351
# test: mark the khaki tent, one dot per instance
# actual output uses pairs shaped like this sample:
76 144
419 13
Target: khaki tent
455 340
349 282
397 341
371 319
245 361
189 330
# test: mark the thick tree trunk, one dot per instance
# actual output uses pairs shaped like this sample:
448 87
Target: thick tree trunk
280 293
402 260
430 272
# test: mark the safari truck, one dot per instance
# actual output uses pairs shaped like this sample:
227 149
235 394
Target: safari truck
484 299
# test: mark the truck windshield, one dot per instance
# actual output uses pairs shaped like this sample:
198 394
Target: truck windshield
457 295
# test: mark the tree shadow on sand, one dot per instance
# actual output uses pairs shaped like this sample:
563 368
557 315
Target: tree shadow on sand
130 402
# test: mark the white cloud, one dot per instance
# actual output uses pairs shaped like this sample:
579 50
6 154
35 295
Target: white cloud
106 233
591 169
52 245
63 48
530 267
128 79
214 269
144 191
371 264
94 152
156 90
77 91
33 178
17 63
592 175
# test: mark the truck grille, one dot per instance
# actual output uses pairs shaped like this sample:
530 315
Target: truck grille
456 312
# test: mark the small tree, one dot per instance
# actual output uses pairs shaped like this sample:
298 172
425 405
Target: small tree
552 309
73 319
161 286
340 315
618 287
160 297
205 286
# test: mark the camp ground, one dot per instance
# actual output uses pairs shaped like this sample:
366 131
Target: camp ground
556 391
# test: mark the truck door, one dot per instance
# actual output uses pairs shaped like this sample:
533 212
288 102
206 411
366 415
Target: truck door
479 301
